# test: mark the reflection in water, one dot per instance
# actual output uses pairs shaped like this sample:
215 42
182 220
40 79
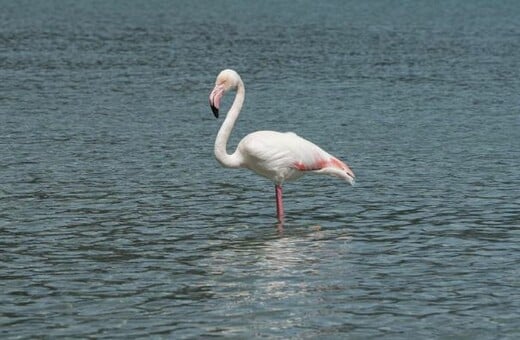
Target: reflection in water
285 268
284 259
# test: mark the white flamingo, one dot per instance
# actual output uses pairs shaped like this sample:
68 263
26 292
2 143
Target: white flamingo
278 156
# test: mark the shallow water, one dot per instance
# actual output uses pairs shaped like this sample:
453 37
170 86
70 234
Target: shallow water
116 221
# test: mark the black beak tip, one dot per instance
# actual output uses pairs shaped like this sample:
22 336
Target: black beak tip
215 111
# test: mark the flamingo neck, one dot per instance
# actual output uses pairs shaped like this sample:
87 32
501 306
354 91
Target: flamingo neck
230 160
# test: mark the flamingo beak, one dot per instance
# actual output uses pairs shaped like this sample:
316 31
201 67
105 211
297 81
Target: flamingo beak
215 111
214 99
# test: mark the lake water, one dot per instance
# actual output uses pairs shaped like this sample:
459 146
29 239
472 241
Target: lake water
117 222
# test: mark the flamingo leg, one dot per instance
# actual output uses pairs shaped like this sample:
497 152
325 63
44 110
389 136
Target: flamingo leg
279 203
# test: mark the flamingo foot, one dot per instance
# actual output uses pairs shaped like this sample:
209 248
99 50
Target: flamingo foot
279 228
279 204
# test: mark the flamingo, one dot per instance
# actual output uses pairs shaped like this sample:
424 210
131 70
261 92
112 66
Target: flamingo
275 155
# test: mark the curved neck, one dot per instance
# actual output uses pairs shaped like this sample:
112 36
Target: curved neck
234 160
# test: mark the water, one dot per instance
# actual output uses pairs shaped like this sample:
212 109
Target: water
116 221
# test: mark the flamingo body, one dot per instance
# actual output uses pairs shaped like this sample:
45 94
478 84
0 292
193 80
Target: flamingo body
285 156
278 156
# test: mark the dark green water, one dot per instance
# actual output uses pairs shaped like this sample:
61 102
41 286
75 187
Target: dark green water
116 221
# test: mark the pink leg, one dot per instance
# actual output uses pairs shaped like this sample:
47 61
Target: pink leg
279 203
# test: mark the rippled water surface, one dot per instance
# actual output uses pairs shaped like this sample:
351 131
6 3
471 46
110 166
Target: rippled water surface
116 220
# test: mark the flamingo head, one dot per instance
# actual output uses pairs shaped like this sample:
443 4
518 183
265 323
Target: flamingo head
226 80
